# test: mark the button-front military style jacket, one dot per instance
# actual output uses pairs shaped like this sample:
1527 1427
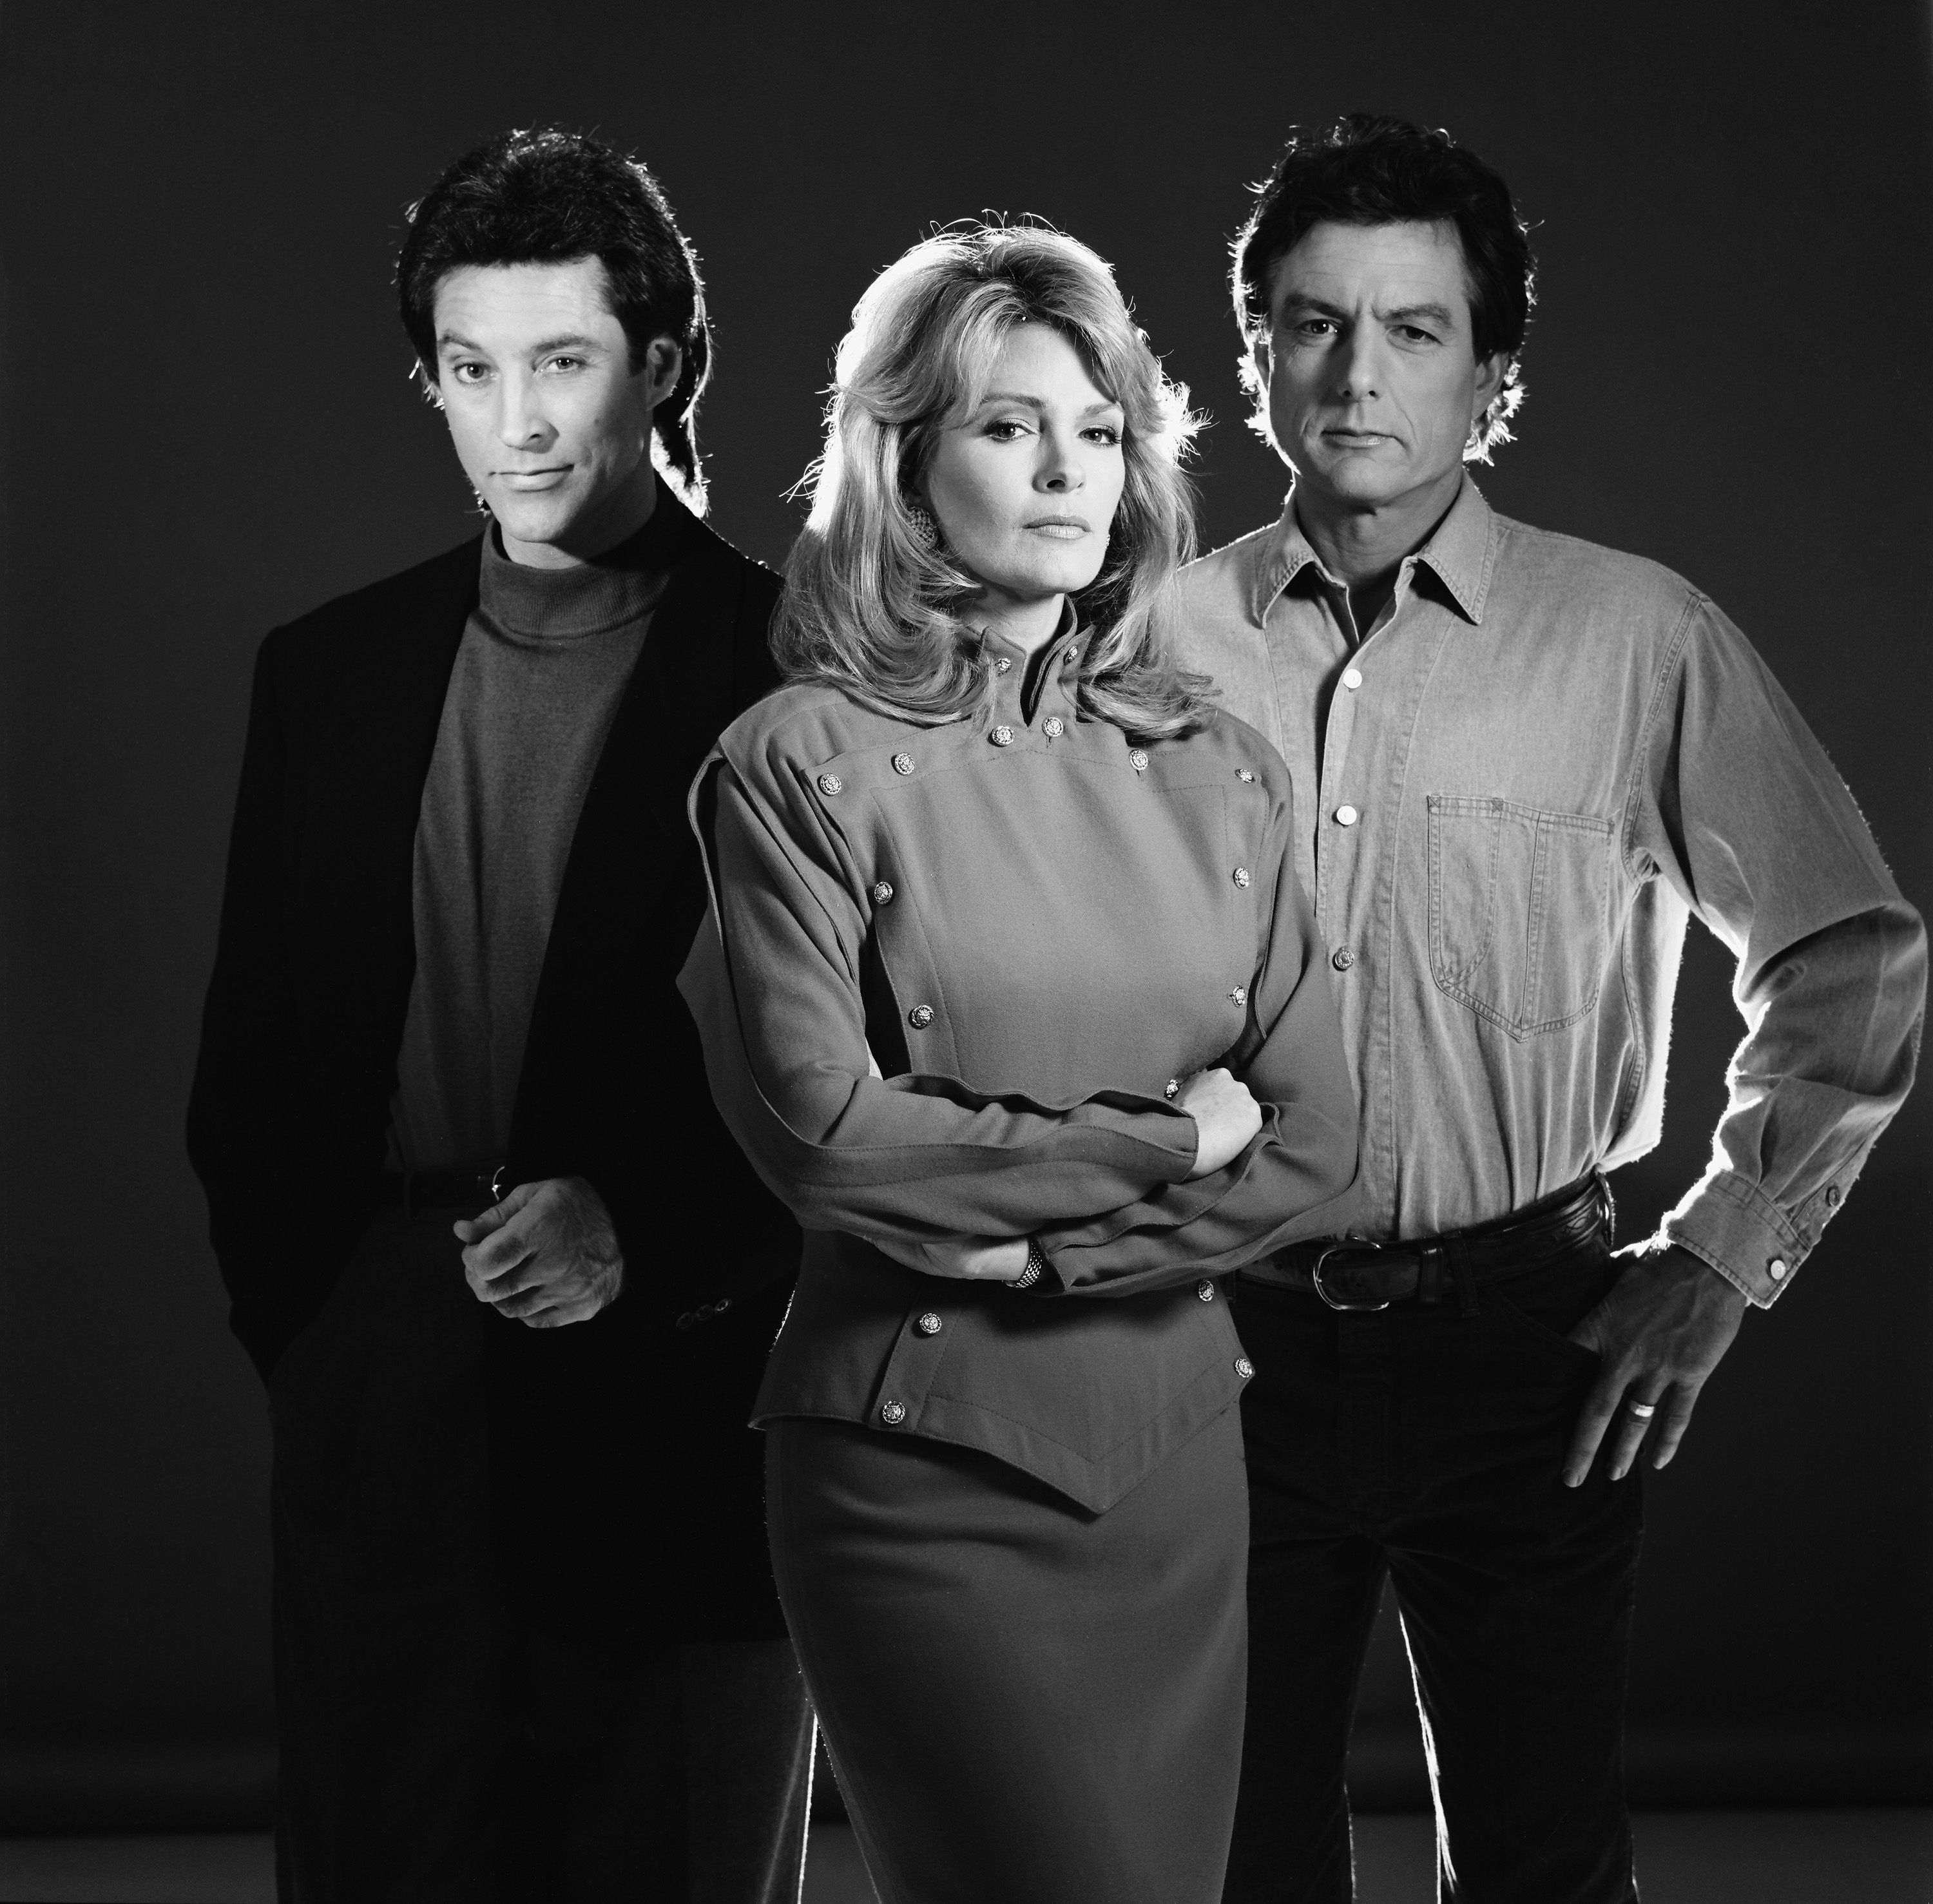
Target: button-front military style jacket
1034 928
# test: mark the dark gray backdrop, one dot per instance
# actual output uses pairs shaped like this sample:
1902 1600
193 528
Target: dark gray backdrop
209 428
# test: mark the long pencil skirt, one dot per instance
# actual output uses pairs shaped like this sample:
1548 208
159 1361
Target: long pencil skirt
1024 1701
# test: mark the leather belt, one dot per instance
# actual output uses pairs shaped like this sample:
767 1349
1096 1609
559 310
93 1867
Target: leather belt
1351 1273
412 1191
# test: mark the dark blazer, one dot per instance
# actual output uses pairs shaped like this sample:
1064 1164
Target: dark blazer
615 1440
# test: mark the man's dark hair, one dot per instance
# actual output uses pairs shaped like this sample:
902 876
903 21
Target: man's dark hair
548 197
1368 168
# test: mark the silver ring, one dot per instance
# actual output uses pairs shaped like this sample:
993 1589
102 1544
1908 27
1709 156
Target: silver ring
1644 1411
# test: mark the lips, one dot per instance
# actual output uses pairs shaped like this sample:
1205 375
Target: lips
1062 527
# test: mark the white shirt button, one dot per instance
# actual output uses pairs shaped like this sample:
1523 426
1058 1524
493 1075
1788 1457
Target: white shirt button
1346 816
1775 1269
1352 679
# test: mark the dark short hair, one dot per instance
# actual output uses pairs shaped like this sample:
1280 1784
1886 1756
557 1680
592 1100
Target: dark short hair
549 197
1368 168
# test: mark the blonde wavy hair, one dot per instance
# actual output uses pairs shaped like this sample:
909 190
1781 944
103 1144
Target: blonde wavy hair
872 606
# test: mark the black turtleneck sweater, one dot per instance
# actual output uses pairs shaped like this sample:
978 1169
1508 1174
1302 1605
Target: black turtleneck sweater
541 667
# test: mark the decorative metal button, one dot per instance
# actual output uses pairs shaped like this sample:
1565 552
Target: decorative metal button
1352 679
1002 735
1242 877
1171 1087
893 1413
919 1017
1053 726
882 893
902 763
929 1324
1205 1291
1137 758
1243 775
1002 665
1239 996
831 783
1342 958
1244 1367
1775 1269
1346 816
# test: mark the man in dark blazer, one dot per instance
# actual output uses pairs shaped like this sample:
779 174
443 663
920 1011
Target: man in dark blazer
508 1280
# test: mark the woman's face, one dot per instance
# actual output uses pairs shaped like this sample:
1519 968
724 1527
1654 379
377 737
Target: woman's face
1025 486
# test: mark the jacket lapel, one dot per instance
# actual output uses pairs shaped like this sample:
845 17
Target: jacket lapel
632 843
353 898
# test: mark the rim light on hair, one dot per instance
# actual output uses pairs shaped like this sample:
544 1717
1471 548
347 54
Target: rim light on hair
873 601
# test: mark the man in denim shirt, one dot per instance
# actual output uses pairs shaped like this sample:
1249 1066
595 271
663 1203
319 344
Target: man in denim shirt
1520 762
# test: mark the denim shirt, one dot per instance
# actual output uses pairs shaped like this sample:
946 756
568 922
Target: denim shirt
1510 797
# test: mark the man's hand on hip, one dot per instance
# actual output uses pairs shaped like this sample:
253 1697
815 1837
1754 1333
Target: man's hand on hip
1662 1329
546 1255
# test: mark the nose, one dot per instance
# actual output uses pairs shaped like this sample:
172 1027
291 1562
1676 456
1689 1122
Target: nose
520 423
1061 471
1358 375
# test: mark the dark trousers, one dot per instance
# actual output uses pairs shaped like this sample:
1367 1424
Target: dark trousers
1423 1443
439 1741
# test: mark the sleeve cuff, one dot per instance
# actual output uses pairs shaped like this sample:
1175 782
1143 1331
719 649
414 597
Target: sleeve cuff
1734 1226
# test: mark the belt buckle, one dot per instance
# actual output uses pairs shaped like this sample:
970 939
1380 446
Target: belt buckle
1336 1249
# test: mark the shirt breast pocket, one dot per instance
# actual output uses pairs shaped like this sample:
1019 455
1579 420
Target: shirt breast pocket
1519 905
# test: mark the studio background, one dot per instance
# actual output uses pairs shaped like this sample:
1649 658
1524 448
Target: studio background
209 428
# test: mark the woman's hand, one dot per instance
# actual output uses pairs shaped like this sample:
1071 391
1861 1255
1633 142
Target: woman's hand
963 1259
1225 1117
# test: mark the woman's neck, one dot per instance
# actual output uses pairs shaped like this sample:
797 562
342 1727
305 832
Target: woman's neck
1028 626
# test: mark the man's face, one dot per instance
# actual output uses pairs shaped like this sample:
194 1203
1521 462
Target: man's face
1371 378
550 422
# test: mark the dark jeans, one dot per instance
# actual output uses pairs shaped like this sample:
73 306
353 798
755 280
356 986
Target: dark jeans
436 1742
1424 1443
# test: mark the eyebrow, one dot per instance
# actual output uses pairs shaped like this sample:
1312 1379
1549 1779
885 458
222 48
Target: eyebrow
570 341
1436 313
1036 403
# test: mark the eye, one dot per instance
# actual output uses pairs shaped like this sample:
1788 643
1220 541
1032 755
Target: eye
1316 327
1108 434
1006 429
1415 334
468 373
563 362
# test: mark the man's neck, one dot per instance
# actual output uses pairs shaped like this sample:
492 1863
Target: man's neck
1364 548
1359 546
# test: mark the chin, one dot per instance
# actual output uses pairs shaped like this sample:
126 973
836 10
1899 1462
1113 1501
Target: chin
517 519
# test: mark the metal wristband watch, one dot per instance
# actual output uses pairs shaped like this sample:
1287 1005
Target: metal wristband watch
1036 1268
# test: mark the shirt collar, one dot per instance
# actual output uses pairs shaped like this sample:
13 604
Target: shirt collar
1461 554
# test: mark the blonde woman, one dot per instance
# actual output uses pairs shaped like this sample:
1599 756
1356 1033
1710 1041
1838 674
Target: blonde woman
1009 991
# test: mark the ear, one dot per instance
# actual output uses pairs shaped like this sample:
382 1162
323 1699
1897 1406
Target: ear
1261 359
664 365
1490 371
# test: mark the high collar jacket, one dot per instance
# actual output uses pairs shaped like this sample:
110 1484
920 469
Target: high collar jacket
1034 928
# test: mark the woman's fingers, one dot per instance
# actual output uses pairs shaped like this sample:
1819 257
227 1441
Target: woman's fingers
1226 1116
